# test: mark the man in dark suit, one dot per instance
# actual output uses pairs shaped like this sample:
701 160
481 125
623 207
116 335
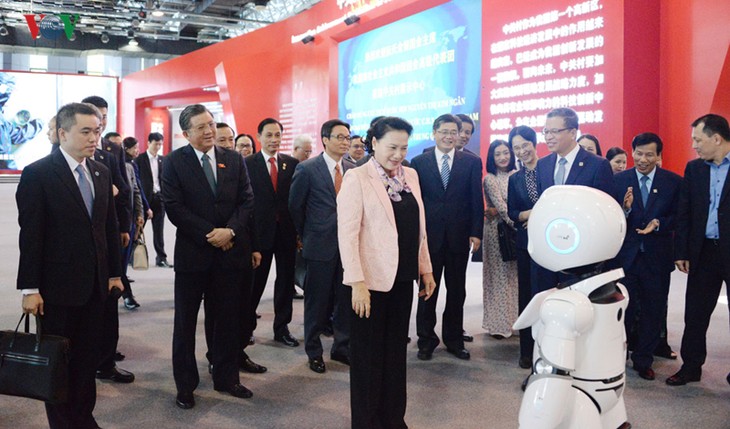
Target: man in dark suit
313 207
69 253
150 172
271 174
649 196
702 240
567 164
454 205
208 197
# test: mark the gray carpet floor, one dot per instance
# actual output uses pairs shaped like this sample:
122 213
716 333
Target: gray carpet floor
443 393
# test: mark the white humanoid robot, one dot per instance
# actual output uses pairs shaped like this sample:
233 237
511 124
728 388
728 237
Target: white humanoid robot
578 371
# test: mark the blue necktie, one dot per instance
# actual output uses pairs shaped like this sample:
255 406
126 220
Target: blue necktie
445 170
644 190
560 175
85 188
208 171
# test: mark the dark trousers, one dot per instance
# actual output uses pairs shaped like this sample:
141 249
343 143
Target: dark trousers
110 318
285 253
524 295
648 291
82 326
324 280
126 257
223 290
158 226
378 360
453 267
704 282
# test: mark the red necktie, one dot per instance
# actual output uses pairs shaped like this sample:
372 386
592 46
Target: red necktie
338 179
274 172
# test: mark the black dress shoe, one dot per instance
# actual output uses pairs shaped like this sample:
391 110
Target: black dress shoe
131 280
646 373
498 337
118 357
237 390
425 354
210 368
130 303
317 365
250 366
665 352
525 362
287 340
340 358
298 295
164 264
116 375
680 379
466 337
258 315
461 354
185 401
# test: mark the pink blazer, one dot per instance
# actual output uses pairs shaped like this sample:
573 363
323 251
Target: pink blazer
367 232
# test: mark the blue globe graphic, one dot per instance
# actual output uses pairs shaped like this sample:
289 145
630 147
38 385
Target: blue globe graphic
51 27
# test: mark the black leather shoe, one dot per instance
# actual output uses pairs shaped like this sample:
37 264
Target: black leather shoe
680 379
498 337
164 264
116 375
298 295
131 280
258 315
461 354
118 357
466 337
646 373
665 352
340 358
287 340
317 365
525 362
185 401
425 354
250 366
130 303
237 390
210 368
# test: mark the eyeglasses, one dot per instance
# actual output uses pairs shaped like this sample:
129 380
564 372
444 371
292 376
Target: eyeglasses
358 146
201 128
554 131
340 138
452 133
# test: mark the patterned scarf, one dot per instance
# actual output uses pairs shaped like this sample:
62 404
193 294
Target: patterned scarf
394 185
531 182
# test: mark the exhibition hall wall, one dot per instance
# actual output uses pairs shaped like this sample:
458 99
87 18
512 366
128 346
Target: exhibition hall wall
625 66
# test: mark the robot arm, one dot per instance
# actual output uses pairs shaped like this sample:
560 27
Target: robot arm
565 315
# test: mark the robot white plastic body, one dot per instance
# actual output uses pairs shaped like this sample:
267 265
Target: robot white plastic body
580 342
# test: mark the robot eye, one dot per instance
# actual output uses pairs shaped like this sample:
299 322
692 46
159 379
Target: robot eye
563 236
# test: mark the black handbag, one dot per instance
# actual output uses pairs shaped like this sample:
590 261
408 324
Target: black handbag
507 242
34 365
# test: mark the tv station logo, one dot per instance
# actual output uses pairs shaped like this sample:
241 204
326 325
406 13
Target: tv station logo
51 26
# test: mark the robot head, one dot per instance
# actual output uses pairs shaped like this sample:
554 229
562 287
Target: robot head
574 226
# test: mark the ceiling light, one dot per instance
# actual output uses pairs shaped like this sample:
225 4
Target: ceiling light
105 37
133 42
130 33
260 4
157 12
4 30
73 36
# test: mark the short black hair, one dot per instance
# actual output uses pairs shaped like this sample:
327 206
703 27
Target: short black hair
328 126
111 134
96 101
189 112
389 123
570 118
446 118
645 139
129 142
614 151
266 122
367 140
220 125
525 132
155 137
250 137
465 118
594 139
66 116
492 164
713 124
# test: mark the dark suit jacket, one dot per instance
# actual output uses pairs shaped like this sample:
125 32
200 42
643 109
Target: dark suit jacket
661 205
313 208
270 206
63 252
145 173
193 208
587 170
518 200
121 202
692 212
456 213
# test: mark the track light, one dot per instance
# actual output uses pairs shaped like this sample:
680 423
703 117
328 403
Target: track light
157 12
260 4
133 42
352 19
4 30
130 33
73 37
104 37
308 39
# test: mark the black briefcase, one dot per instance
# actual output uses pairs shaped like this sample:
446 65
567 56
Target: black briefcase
34 365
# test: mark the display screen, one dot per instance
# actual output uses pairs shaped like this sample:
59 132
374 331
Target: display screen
417 68
29 100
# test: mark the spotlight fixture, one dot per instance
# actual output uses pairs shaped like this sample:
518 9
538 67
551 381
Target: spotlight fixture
157 12
260 4
104 37
308 39
4 30
130 33
352 19
133 42
73 37
142 14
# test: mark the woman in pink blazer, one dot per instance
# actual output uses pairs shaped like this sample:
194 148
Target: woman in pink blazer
382 237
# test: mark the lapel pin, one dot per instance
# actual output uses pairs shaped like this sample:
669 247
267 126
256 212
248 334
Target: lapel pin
221 165
283 166
96 173
580 164
654 190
